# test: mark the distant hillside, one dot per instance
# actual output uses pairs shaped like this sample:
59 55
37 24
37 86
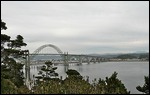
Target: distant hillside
106 55
127 55
133 55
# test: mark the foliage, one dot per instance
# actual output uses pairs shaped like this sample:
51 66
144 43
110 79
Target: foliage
112 85
74 74
3 25
47 71
145 88
11 69
74 85
144 56
126 56
8 87
24 90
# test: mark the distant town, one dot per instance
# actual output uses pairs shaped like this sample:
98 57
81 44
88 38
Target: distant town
126 57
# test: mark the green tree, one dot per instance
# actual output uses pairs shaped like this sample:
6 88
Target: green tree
8 87
115 86
3 25
145 88
126 56
112 85
74 85
11 51
73 73
47 71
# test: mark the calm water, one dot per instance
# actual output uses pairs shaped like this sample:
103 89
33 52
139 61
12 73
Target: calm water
130 73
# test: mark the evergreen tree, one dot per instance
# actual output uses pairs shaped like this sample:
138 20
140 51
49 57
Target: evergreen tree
114 85
10 53
47 71
73 74
145 88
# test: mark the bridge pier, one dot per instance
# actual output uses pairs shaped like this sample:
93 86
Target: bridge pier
27 68
66 58
88 60
98 60
80 60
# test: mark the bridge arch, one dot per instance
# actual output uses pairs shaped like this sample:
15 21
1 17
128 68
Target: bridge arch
44 46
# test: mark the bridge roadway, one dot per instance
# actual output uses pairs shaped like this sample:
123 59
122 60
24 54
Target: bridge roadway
67 58
56 62
64 54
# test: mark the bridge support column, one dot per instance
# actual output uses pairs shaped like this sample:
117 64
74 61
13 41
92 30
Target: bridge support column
94 60
88 60
66 58
27 68
98 60
80 60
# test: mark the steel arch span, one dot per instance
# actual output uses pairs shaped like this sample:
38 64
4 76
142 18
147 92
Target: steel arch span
44 46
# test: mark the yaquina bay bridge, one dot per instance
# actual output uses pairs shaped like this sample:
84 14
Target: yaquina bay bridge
64 58
60 57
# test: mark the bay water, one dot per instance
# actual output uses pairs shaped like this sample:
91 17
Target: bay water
130 73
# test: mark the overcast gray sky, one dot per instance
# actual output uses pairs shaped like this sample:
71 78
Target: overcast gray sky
80 27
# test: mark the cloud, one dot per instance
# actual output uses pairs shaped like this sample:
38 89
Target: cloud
80 27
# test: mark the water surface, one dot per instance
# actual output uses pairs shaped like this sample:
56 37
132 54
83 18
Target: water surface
130 73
